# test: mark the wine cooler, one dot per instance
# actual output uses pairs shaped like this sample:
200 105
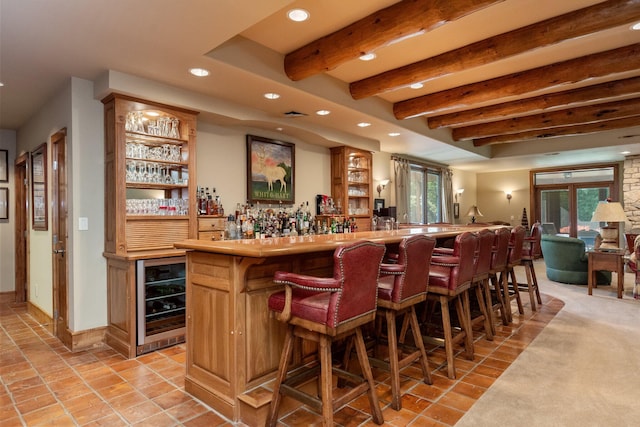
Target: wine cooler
161 303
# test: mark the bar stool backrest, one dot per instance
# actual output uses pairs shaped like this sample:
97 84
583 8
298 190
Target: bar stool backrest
483 252
515 245
356 267
464 247
415 254
500 249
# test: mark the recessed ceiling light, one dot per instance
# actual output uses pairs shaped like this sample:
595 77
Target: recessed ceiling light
199 72
394 133
417 86
368 56
364 124
1 84
636 26
625 152
298 15
279 129
272 95
323 112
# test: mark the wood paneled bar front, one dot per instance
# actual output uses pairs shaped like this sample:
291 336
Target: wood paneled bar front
233 343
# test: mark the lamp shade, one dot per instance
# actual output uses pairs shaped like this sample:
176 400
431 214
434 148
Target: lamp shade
474 211
609 212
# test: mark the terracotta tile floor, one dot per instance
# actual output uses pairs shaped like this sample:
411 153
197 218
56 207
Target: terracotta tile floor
42 383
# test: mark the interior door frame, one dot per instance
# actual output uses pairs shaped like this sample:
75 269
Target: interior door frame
59 237
21 227
572 187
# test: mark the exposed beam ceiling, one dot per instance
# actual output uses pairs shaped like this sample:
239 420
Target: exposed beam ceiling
544 101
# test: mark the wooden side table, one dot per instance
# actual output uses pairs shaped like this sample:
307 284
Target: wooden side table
608 260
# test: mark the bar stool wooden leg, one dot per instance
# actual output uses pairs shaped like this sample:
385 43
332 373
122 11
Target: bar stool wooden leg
481 291
535 283
326 385
283 367
394 363
448 336
417 339
528 267
504 280
374 403
463 308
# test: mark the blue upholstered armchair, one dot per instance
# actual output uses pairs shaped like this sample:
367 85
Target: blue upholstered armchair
566 261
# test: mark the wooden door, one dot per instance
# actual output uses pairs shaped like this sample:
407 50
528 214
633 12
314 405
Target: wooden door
21 227
60 235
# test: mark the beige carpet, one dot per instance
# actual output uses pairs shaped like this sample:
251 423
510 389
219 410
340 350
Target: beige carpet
582 370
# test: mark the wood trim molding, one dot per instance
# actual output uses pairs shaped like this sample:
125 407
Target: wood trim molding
40 316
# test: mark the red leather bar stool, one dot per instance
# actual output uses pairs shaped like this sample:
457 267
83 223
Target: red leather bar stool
401 286
531 251
480 280
324 310
514 258
449 280
498 285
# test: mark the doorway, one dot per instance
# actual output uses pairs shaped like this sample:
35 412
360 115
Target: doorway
567 198
21 227
59 237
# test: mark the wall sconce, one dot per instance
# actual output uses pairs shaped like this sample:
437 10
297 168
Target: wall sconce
459 192
382 185
509 196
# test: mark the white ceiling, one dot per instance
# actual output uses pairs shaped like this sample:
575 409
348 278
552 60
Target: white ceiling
242 42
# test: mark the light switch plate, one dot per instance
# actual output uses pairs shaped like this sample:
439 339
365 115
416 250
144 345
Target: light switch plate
83 223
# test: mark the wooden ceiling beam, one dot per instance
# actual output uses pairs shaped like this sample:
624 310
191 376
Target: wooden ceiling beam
398 21
581 129
572 116
572 98
552 31
552 77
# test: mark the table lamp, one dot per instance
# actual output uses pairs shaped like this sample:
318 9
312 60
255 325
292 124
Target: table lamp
473 213
612 213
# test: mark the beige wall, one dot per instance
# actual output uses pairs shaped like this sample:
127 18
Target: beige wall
222 159
7 241
492 200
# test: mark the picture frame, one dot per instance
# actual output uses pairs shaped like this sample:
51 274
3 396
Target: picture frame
378 204
39 210
4 165
456 210
270 170
4 203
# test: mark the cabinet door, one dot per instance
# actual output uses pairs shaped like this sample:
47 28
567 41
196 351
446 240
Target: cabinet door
359 184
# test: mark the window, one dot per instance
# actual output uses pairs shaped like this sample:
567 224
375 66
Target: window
425 201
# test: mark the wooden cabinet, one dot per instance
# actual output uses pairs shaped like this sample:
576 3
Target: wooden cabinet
149 199
352 184
211 227
149 157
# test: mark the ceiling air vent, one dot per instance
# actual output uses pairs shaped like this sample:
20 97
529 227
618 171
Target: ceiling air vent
294 114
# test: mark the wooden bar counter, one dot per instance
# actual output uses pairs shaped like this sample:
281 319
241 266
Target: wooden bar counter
233 344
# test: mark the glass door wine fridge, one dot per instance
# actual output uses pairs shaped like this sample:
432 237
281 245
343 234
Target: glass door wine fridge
161 303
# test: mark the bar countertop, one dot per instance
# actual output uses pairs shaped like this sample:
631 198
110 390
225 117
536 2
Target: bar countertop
276 246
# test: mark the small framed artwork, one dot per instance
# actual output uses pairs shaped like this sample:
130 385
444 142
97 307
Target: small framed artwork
270 170
378 204
39 187
4 165
4 203
456 210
